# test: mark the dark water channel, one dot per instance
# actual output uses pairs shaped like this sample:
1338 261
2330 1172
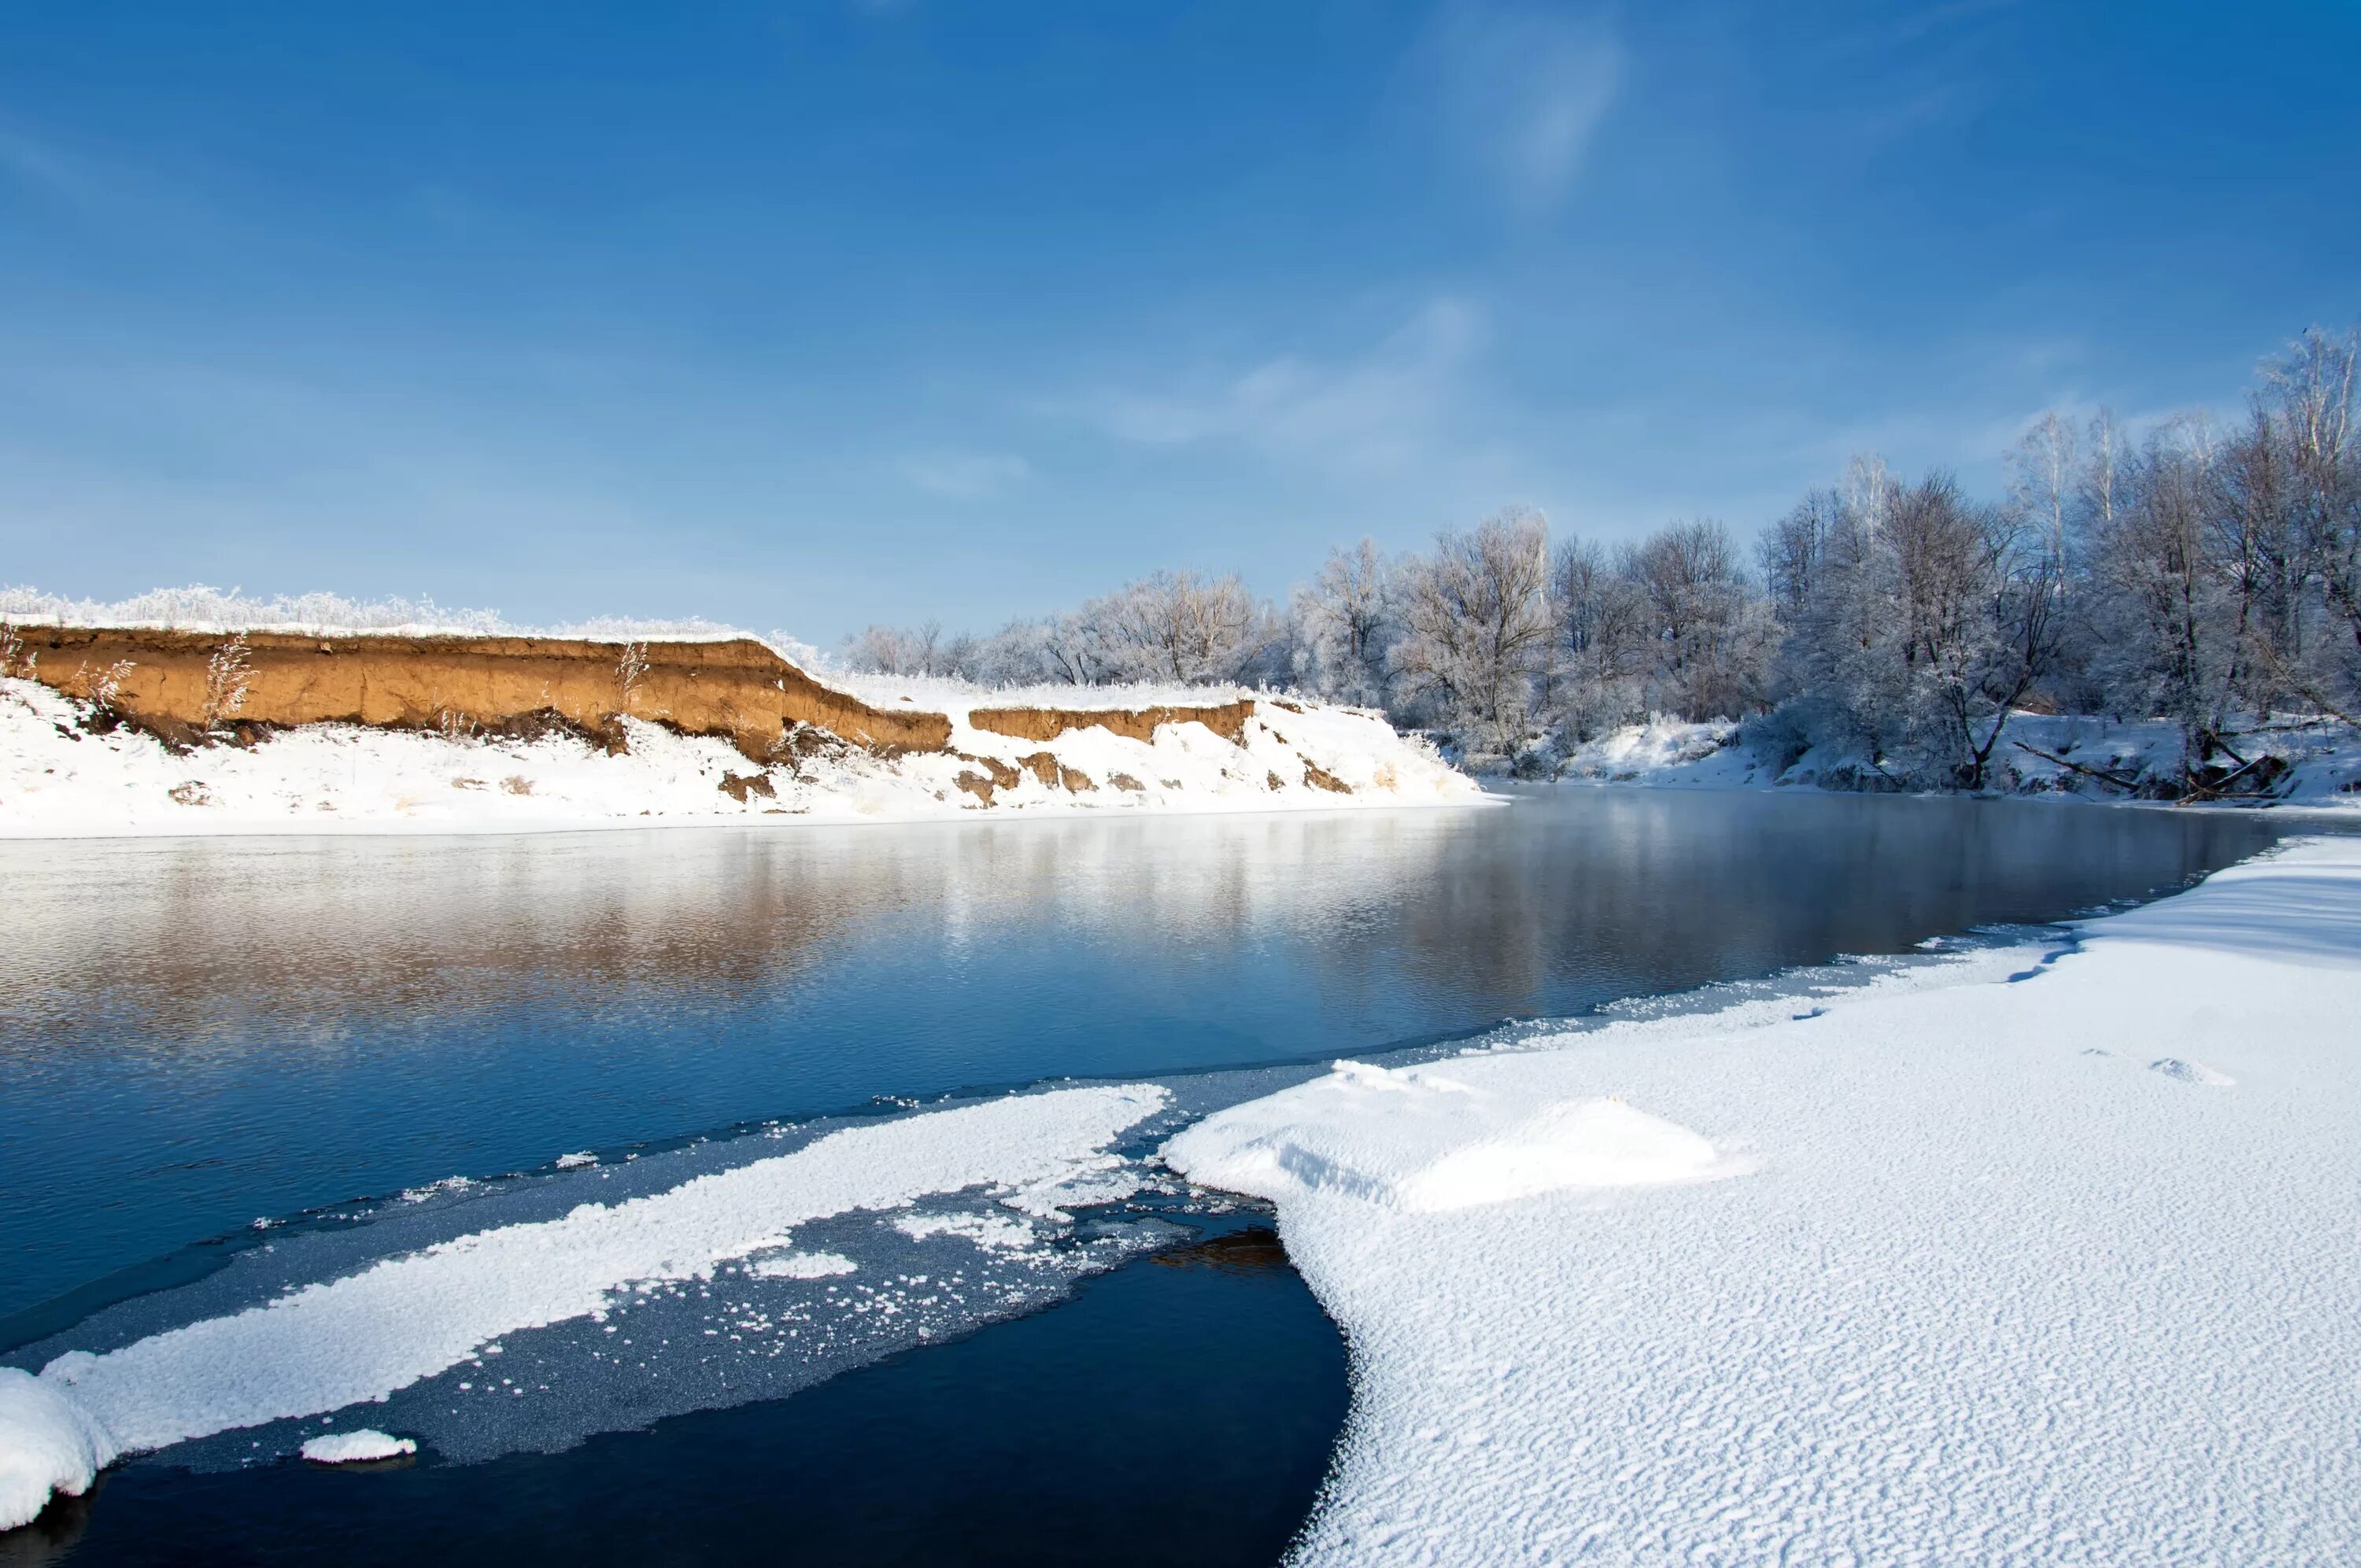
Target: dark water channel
195 1035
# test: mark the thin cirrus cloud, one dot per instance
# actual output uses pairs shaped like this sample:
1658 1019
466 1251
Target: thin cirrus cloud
1387 407
1522 93
966 475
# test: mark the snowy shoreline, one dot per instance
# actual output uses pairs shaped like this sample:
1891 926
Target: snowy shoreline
62 776
2036 1256
2324 775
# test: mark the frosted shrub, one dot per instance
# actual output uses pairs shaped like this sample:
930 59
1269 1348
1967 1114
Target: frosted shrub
101 689
227 675
630 670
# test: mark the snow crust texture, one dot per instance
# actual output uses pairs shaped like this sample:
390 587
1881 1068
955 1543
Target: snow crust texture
326 1346
2059 1268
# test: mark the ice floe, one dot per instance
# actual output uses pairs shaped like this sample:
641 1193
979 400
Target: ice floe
357 1447
460 1303
803 1265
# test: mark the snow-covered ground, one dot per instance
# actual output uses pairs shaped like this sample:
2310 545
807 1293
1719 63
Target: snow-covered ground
2028 1256
59 778
2324 759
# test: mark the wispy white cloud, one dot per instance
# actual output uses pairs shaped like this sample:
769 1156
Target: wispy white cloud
1522 91
1387 407
966 475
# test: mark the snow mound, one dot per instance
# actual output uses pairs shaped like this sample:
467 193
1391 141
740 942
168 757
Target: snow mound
357 1447
1419 1141
47 1443
2191 1072
802 1266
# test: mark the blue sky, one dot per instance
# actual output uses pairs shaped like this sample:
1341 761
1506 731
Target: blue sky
804 315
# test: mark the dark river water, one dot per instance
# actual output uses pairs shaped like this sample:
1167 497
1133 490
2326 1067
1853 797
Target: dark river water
197 1035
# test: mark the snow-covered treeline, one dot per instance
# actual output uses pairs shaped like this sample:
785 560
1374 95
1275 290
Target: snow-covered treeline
2207 575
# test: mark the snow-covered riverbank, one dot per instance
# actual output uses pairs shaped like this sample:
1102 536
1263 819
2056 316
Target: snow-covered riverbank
2035 1257
2040 755
62 776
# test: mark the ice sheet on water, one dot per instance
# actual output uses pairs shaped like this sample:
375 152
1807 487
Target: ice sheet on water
529 1313
357 1447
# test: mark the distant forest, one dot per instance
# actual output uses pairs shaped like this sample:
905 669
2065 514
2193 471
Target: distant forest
2204 575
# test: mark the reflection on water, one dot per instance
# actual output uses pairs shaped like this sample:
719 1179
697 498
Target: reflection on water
195 1033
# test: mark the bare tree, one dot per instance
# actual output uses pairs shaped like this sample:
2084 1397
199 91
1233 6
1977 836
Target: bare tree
1599 643
2044 467
1696 596
2311 390
1178 626
898 649
1478 626
2163 639
1347 621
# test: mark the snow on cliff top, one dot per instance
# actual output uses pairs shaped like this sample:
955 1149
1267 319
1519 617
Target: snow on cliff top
216 611
2033 1257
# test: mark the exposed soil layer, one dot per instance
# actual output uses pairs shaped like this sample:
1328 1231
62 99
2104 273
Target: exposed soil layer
505 685
1227 721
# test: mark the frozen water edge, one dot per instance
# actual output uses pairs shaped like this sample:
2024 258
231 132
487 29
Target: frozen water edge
534 1333
1995 1290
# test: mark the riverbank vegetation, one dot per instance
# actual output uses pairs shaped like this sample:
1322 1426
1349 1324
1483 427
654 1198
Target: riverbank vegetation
2202 571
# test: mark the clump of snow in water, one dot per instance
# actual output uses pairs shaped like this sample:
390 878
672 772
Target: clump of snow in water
357 1447
1417 1139
575 1161
998 1232
802 1266
47 1443
1990 1298
653 1259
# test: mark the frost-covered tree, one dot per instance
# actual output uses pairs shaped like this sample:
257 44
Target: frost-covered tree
1476 627
2311 390
1345 625
1179 626
2163 639
1599 646
1697 601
